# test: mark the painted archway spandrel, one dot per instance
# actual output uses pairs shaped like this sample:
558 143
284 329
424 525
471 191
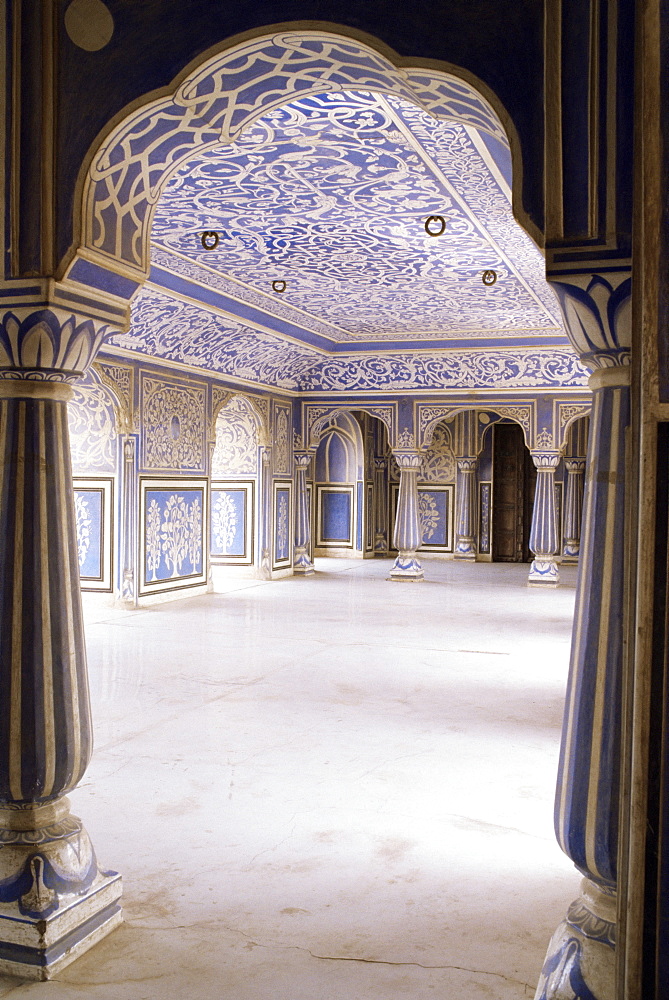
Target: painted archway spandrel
314 420
93 423
173 420
439 459
567 413
522 414
428 418
120 379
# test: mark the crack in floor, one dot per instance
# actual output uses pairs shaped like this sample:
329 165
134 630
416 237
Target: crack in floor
420 965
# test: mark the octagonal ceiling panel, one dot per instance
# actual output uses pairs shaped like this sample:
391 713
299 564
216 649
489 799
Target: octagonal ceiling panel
330 194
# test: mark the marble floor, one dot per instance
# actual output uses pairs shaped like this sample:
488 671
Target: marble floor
328 787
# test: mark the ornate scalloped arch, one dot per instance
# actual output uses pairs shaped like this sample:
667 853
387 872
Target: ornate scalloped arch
318 417
261 417
569 413
218 99
521 414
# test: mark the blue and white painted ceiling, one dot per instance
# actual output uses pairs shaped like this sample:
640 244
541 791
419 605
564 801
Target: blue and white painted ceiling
330 194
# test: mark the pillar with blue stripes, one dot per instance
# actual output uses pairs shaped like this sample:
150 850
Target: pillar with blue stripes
408 534
574 461
580 962
55 902
573 508
302 564
465 535
544 540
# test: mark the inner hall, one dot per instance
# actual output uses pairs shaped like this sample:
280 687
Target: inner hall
316 588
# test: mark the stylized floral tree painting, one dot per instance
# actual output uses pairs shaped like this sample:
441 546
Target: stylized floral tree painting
83 523
175 533
429 515
282 526
195 534
152 538
224 522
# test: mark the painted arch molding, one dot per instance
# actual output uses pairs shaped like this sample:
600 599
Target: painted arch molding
215 103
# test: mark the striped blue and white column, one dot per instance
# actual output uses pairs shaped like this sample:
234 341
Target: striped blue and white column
573 508
544 540
54 900
574 461
580 962
380 505
408 535
465 535
302 564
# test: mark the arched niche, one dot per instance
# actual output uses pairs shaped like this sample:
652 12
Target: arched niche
339 470
238 431
214 100
339 456
235 482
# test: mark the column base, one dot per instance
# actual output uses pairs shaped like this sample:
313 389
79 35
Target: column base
543 573
55 903
380 545
580 963
33 948
465 551
570 553
302 564
407 568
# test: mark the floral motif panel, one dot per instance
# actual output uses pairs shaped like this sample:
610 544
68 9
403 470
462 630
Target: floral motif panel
283 525
281 440
485 491
93 510
174 515
231 538
173 424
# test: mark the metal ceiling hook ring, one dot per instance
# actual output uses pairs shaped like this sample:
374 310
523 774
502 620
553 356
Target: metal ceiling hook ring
438 219
209 239
489 277
279 286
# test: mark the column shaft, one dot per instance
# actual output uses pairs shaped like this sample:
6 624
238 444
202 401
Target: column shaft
302 564
380 506
45 725
54 901
573 508
581 953
544 541
465 540
408 533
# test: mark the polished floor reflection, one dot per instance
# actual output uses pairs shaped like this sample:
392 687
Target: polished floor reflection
326 787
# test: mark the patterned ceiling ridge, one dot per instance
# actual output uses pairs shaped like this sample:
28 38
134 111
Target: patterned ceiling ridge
181 332
330 193
203 274
255 309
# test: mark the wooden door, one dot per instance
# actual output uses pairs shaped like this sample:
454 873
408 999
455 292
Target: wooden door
513 494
